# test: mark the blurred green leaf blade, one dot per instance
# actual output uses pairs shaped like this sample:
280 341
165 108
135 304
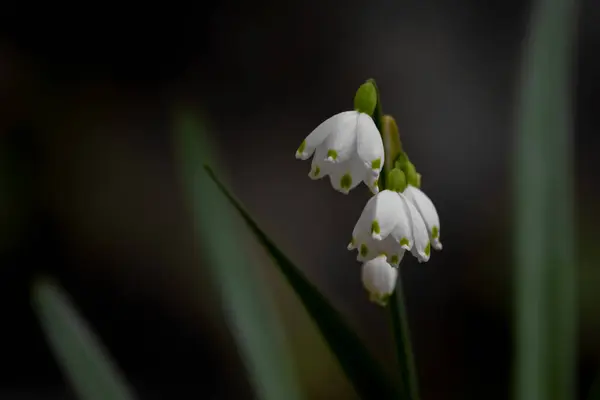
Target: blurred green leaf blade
252 319
84 361
544 229
365 374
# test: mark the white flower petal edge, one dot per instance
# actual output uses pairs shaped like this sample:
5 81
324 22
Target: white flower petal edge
335 146
341 143
428 212
379 279
380 216
422 247
369 248
319 134
369 144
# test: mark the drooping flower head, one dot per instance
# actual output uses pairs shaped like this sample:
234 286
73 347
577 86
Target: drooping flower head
348 146
390 225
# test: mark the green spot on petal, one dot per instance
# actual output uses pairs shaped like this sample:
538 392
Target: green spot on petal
302 147
435 232
333 154
316 172
346 182
375 227
395 259
364 250
428 249
404 242
376 164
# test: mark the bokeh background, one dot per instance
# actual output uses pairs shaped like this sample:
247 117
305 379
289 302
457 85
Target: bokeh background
91 192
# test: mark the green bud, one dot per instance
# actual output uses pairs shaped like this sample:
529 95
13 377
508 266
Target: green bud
396 180
402 161
411 175
365 99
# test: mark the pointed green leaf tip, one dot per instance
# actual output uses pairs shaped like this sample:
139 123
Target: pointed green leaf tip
396 180
365 99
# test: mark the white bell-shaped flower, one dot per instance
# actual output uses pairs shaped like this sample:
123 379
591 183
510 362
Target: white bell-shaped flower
379 279
425 207
389 225
347 147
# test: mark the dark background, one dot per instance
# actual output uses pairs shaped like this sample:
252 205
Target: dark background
90 192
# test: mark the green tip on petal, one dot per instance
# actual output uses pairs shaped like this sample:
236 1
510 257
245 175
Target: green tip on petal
302 147
364 250
395 259
380 299
316 172
333 154
428 249
365 98
376 164
404 242
435 232
346 182
375 228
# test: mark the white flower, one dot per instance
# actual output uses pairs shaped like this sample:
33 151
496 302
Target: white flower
348 148
379 278
389 225
425 207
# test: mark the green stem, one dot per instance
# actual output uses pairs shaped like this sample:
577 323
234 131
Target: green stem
406 360
399 319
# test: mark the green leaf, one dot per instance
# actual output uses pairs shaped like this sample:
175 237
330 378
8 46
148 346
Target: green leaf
367 377
249 313
544 229
82 358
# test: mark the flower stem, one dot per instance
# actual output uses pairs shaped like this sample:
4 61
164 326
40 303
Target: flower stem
399 319
406 360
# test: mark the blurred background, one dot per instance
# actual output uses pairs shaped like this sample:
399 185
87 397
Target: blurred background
90 188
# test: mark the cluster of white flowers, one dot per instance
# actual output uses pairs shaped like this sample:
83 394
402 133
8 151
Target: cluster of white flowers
349 148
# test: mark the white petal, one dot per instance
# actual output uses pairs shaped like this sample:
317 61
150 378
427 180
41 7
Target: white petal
379 279
347 175
341 144
392 249
422 247
319 134
427 210
379 216
369 248
371 182
319 168
369 144
403 230
387 213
